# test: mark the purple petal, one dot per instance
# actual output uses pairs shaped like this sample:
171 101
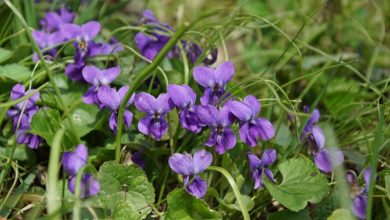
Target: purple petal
122 92
190 121
252 102
201 160
158 128
137 159
40 38
73 161
17 91
246 135
90 30
149 16
240 110
351 177
181 163
89 96
204 76
141 41
322 161
112 122
89 185
70 31
265 129
226 142
256 177
181 95
366 176
269 174
208 97
315 116
109 75
108 97
144 124
74 71
163 104
268 157
254 161
145 102
208 115
359 206
127 118
92 74
197 187
225 118
224 73
319 137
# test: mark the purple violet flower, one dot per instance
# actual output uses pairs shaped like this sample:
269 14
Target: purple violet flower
150 44
83 35
184 98
89 185
74 161
193 52
137 158
154 122
359 193
213 81
251 127
47 43
189 167
219 122
314 138
98 78
15 113
74 70
53 20
112 99
103 48
258 167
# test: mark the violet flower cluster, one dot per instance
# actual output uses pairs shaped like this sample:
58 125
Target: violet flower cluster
21 115
72 163
151 42
359 193
326 159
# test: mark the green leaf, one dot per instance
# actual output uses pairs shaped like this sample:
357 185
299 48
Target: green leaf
183 206
290 215
15 72
4 54
302 183
126 183
343 214
84 119
124 210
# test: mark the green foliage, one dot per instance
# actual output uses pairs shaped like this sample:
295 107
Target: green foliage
15 72
186 207
125 183
301 183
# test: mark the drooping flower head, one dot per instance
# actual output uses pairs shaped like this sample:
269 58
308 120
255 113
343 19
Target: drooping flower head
47 42
259 167
112 99
219 122
83 35
251 127
151 43
326 159
53 20
153 123
23 113
184 99
89 185
193 51
98 78
213 81
359 192
189 167
74 161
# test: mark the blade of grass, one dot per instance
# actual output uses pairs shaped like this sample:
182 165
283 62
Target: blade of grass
52 196
374 159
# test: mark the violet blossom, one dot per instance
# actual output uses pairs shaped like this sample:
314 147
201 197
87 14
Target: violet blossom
47 43
112 99
151 43
83 35
193 52
23 113
154 122
190 167
259 167
219 122
359 193
184 98
72 163
53 20
98 78
251 127
326 159
213 81
103 48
